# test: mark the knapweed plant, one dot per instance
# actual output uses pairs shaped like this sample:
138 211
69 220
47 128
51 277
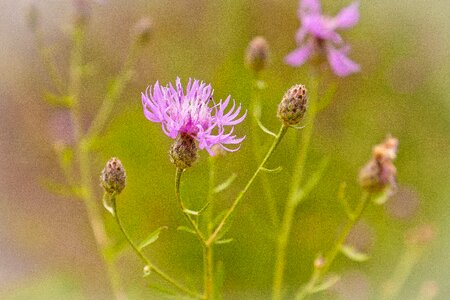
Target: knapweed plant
196 121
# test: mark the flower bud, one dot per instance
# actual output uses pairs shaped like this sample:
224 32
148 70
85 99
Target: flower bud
380 173
257 55
292 107
142 31
183 152
113 177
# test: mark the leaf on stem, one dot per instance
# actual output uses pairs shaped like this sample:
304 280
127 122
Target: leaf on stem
353 254
166 292
327 283
58 101
227 183
151 238
191 212
225 241
264 128
276 170
60 189
312 182
343 200
186 229
108 202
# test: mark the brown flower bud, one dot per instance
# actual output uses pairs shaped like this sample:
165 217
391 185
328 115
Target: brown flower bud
142 30
292 107
183 152
257 55
113 177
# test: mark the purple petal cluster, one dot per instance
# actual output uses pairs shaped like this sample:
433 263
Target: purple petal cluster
193 112
318 35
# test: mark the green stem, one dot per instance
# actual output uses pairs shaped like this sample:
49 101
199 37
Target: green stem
146 261
256 108
394 285
184 210
230 211
82 151
209 249
319 272
115 91
291 203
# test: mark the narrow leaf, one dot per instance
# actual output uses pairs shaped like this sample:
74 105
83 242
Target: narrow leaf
264 128
151 238
168 293
108 202
276 170
223 186
343 200
354 254
226 241
191 212
312 182
186 229
58 101
327 283
381 197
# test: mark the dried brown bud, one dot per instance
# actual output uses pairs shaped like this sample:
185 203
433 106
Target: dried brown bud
380 172
257 55
183 152
142 30
113 177
292 107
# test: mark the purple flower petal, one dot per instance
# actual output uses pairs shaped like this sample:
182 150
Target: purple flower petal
299 56
347 17
340 63
309 7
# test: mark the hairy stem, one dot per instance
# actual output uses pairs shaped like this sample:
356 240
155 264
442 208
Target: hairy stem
256 108
82 151
146 261
291 203
319 272
212 238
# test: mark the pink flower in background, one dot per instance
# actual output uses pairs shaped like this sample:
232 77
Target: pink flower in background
318 34
193 113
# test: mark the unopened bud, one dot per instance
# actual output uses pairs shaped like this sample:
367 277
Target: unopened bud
113 177
142 30
257 55
183 152
292 107
380 173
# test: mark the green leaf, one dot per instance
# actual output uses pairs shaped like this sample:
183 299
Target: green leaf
168 293
276 170
226 241
343 200
327 283
152 237
264 128
381 197
58 101
191 212
60 189
186 229
223 186
108 202
353 253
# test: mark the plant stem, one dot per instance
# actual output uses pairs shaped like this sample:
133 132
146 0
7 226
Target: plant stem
209 249
184 210
146 261
230 211
256 107
115 91
82 151
319 272
291 203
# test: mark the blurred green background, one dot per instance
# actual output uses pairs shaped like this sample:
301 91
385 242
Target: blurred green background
46 246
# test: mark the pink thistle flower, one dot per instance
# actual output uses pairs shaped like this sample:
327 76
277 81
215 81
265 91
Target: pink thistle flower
193 113
318 34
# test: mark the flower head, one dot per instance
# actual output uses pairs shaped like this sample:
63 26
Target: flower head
318 35
113 177
257 55
193 112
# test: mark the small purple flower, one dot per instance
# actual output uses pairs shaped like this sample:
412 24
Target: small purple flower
193 113
318 34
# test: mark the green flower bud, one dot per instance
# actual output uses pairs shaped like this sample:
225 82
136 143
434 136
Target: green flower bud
292 107
113 177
